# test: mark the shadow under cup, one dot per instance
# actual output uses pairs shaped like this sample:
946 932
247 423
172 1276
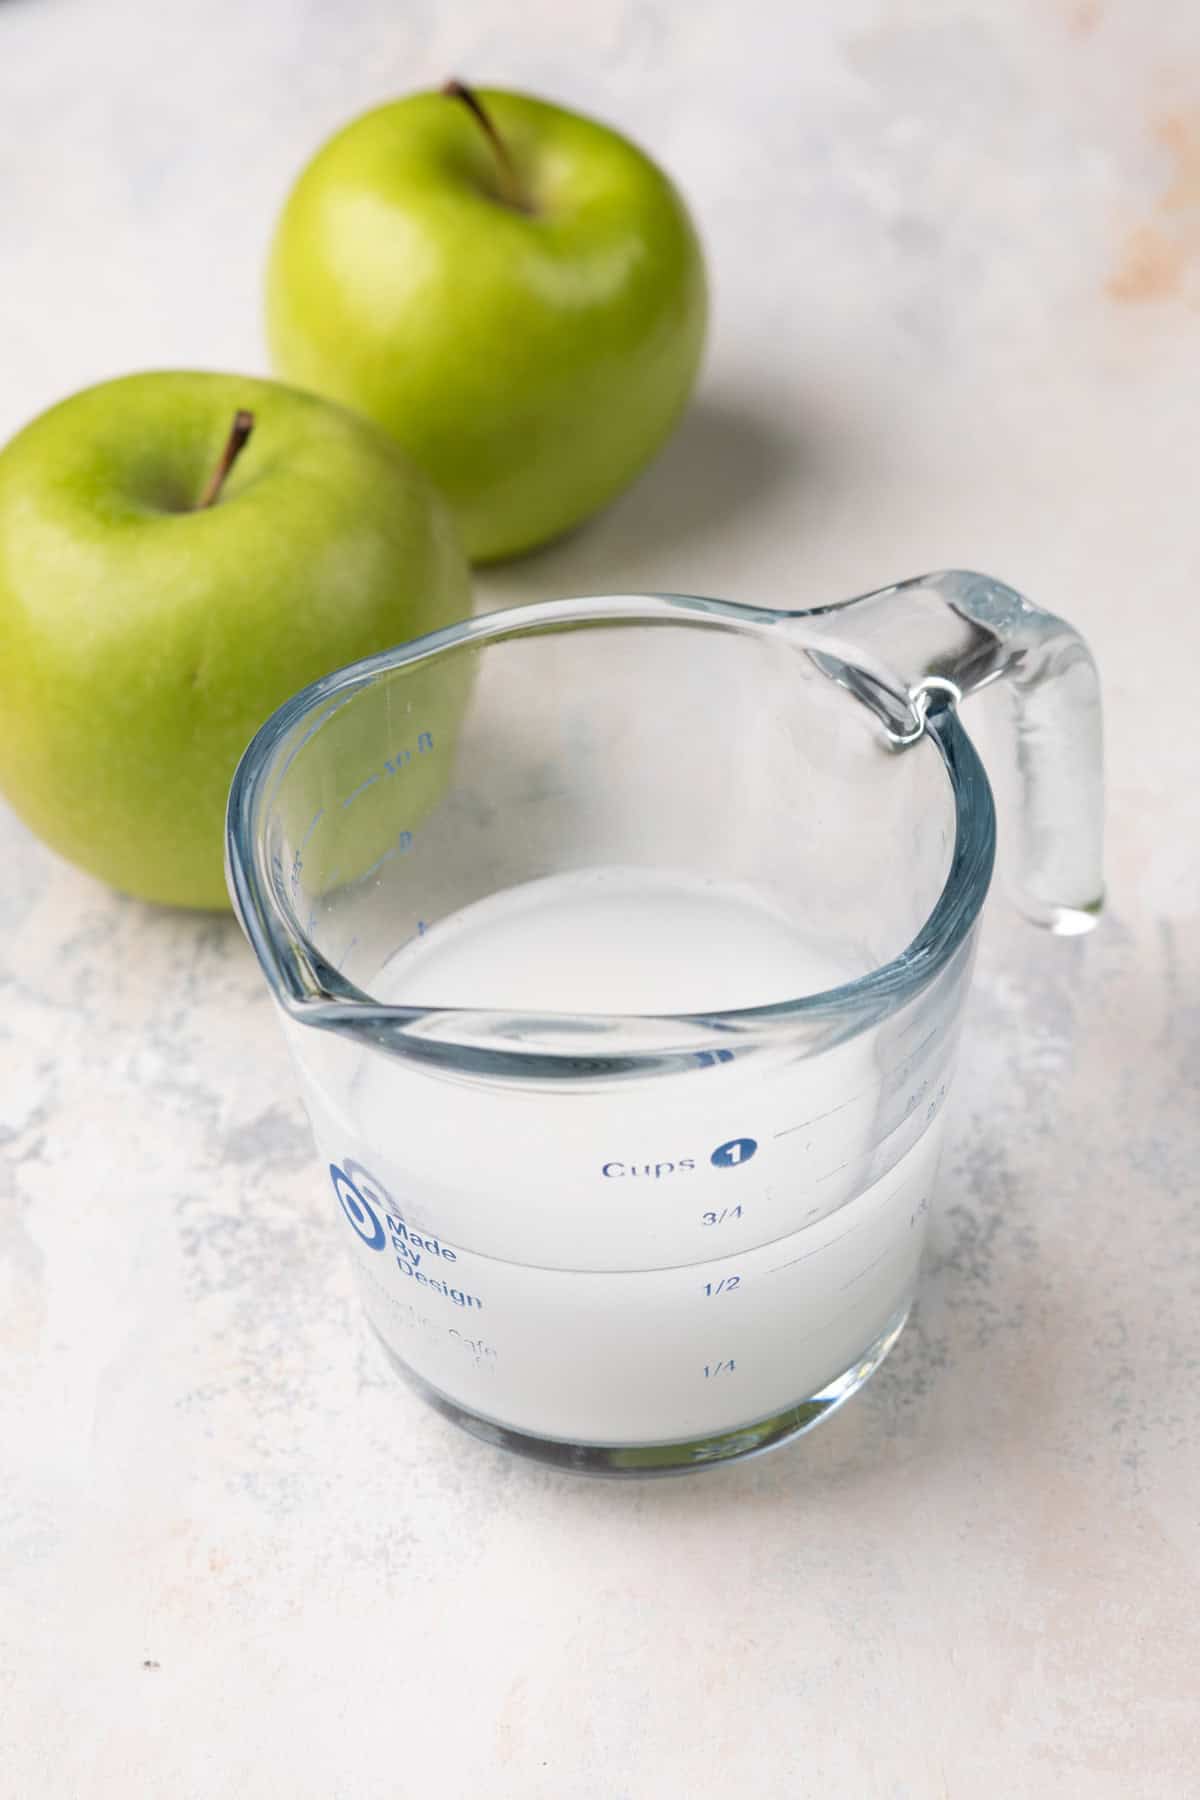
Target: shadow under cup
619 1237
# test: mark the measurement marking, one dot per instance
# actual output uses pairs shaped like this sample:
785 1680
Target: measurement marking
392 765
866 1093
827 1245
403 842
894 1194
817 1117
927 1039
362 788
830 1173
882 1257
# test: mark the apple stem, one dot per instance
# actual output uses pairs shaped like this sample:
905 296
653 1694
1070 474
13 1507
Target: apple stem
510 186
235 443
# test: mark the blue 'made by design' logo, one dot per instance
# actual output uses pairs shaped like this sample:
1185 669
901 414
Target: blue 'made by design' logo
355 1205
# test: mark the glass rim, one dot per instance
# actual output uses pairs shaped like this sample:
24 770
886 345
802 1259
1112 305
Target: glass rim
312 992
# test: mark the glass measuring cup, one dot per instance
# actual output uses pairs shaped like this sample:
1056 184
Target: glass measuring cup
621 945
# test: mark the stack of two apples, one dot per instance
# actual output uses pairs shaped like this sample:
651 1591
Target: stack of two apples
489 312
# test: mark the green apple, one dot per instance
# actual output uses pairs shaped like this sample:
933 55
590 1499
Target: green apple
158 599
516 293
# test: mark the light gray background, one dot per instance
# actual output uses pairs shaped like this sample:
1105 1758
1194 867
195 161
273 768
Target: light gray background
956 259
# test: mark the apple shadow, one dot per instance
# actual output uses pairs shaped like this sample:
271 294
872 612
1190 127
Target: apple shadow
718 473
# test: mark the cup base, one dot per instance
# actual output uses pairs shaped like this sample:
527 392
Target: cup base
675 1458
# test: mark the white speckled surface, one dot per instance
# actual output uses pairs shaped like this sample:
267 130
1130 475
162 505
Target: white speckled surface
957 266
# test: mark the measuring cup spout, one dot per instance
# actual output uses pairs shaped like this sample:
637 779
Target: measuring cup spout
922 644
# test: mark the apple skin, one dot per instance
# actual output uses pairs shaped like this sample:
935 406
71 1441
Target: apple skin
142 642
530 362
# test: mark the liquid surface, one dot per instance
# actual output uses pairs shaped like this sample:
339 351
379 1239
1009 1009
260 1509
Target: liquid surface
612 940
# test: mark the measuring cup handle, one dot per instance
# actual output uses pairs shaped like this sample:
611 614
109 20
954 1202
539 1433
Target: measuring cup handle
945 636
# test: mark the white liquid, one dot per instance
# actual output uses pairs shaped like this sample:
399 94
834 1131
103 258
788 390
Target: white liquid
612 940
649 1259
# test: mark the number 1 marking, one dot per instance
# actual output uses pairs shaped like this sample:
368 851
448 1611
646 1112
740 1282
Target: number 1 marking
737 1150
